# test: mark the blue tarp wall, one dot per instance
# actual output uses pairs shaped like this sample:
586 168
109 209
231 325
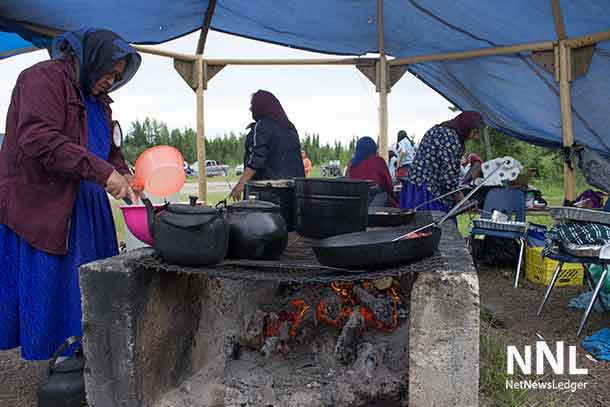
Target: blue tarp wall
515 95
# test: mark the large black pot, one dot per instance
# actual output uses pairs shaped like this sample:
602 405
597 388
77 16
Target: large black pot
258 231
279 192
330 206
189 234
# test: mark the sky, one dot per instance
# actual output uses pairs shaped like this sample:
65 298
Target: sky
337 103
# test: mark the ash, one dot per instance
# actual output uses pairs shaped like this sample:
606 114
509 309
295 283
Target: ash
282 355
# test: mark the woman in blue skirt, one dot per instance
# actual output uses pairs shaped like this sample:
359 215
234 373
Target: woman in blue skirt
58 162
435 171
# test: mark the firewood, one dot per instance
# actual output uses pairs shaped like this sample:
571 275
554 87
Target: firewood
380 307
345 350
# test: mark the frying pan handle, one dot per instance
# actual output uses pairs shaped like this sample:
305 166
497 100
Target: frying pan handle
471 193
456 208
440 197
464 209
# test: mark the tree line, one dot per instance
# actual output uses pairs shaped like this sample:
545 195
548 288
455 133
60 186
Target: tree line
548 162
227 148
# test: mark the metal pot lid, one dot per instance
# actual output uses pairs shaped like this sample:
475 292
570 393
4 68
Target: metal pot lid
336 180
254 205
188 209
273 183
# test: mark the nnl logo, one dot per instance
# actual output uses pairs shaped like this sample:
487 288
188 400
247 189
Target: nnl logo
543 352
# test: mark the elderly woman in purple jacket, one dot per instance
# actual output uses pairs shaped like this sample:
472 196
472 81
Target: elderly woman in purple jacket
57 164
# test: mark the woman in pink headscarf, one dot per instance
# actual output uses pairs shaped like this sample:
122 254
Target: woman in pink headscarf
436 168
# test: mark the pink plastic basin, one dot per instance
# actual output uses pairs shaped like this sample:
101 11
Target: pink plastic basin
136 220
160 170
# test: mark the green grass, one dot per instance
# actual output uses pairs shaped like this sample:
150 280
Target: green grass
493 374
119 221
232 178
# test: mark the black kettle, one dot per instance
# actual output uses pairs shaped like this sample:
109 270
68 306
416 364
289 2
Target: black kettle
188 234
258 230
64 385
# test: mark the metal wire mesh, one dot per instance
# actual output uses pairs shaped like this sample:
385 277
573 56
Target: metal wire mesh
291 271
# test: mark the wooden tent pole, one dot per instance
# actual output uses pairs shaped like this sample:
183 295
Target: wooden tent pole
382 67
569 176
207 21
560 28
483 52
18 51
565 99
202 177
164 53
487 141
588 39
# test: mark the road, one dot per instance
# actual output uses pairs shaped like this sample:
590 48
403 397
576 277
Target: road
190 188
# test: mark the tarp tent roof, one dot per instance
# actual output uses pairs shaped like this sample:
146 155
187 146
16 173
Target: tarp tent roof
514 94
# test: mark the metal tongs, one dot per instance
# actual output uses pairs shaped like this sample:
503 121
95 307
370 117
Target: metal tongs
440 197
453 210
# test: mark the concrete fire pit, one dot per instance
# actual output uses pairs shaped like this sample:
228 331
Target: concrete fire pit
166 339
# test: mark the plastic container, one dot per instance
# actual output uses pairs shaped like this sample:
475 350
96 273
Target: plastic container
137 222
540 271
160 170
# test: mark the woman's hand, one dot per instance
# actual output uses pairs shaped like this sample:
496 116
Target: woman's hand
238 191
137 188
118 186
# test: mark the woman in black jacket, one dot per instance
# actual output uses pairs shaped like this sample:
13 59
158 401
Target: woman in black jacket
273 149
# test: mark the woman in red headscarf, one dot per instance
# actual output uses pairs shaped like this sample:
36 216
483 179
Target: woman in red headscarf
273 149
435 171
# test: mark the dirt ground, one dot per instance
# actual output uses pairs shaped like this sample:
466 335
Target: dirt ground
18 380
514 312
517 324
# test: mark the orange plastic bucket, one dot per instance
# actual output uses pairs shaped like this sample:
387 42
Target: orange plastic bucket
160 171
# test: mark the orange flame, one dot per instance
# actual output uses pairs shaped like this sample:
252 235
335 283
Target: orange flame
371 320
339 320
301 308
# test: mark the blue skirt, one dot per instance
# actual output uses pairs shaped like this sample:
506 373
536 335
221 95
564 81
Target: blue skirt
413 195
40 303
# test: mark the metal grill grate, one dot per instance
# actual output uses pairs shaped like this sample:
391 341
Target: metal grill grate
294 272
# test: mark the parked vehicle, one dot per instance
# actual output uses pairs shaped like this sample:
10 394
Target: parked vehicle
212 168
188 170
239 169
331 169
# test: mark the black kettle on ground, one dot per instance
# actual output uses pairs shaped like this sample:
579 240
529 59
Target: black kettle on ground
257 230
64 384
188 234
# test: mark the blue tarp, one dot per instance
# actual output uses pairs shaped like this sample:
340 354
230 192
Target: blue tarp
514 94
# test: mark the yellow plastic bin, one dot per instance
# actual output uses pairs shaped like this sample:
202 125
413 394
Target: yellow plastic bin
540 271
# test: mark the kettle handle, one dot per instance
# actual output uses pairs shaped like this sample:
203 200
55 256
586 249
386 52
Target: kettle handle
150 216
222 205
68 342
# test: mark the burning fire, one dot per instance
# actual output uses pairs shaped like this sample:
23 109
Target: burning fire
295 318
378 308
345 291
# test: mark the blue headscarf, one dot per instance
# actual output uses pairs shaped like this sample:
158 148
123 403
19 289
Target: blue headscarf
365 147
97 51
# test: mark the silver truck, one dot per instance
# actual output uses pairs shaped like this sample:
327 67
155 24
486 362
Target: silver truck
212 168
